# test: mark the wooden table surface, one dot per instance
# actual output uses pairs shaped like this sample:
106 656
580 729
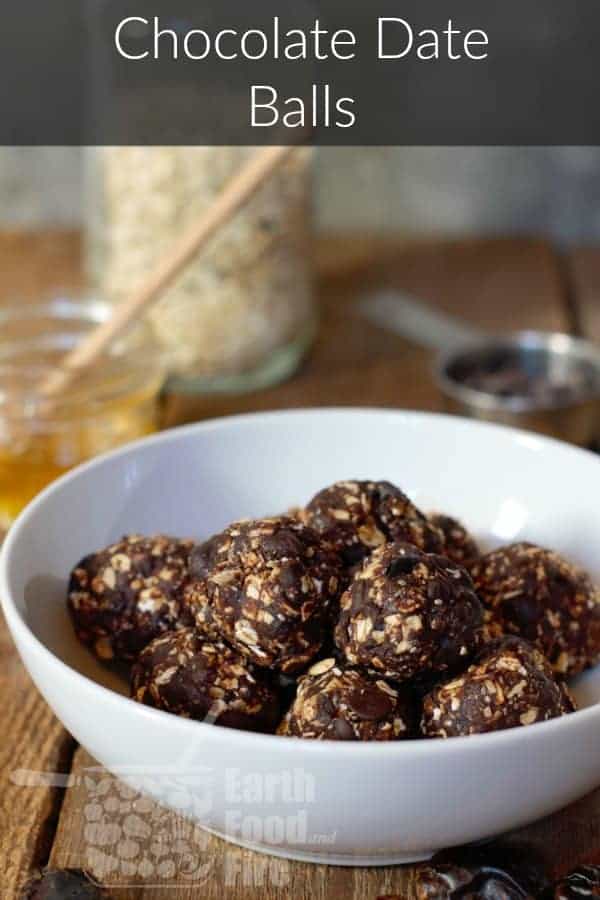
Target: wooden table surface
493 283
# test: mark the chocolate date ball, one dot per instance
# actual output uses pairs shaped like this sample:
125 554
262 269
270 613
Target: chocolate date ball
266 587
346 705
504 870
578 884
122 597
451 882
459 545
359 516
509 685
535 593
182 673
63 884
408 613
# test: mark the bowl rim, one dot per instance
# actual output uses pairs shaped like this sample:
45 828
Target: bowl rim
268 742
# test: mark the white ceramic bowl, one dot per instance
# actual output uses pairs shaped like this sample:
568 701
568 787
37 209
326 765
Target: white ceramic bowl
345 803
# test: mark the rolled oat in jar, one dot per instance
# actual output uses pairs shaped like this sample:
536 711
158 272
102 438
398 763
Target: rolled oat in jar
248 297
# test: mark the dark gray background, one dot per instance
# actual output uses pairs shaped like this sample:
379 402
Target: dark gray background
63 83
551 191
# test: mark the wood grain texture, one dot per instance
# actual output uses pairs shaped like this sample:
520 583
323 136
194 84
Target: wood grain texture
96 833
36 266
491 283
495 284
32 739
584 272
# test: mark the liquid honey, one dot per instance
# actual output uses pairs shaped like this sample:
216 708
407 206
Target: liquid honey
34 450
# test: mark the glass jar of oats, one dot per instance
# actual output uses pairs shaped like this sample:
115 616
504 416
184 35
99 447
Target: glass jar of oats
243 314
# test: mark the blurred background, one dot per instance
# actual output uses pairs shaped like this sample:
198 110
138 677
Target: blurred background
338 283
551 191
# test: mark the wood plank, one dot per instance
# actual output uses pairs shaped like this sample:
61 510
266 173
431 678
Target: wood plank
36 265
569 838
584 270
33 741
32 266
494 283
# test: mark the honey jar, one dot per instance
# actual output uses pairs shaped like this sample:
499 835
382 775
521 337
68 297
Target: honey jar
110 405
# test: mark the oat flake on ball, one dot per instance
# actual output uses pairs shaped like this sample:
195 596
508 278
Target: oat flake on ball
509 685
346 705
408 613
266 586
359 516
535 593
122 597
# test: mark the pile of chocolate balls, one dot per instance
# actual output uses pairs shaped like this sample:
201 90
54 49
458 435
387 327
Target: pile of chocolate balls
357 617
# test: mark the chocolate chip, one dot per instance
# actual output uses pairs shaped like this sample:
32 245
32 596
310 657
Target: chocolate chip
343 731
580 883
402 565
63 884
353 553
370 703
289 574
359 596
281 544
325 706
523 609
202 558
144 565
436 588
558 583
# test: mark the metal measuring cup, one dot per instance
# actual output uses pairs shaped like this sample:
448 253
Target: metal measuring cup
547 382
